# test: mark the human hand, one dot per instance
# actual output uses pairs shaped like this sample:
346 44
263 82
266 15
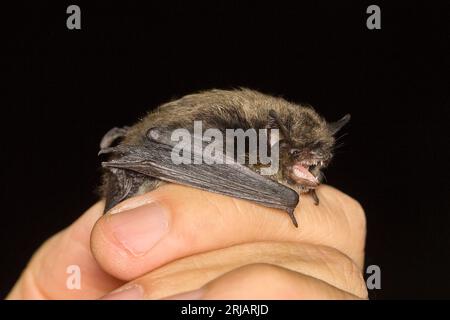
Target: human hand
229 248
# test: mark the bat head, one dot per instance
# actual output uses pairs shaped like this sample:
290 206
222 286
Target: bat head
306 147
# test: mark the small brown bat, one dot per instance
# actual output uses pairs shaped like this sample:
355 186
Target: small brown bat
140 155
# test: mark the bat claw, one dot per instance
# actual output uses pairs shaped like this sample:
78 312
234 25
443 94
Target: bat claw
292 216
315 197
119 149
105 151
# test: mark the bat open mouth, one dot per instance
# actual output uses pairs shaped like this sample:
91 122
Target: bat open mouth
301 172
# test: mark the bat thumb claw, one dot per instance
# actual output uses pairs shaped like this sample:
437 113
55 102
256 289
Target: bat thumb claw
105 151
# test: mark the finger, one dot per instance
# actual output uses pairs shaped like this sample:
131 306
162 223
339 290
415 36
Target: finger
266 282
173 221
190 273
46 276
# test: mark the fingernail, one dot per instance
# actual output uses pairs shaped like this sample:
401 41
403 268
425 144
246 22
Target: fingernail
138 230
134 292
189 295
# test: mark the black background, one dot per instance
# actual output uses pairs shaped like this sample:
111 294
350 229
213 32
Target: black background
66 88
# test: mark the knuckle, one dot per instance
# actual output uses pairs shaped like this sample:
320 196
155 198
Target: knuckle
353 278
342 272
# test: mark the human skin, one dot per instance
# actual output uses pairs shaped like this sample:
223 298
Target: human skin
182 243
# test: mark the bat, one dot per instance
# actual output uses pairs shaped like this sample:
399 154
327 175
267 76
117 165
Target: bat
140 156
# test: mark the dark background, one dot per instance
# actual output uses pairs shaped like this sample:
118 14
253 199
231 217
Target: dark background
65 89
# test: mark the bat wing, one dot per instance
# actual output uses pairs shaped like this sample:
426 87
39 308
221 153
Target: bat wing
154 159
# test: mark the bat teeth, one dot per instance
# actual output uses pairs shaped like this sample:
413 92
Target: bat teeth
311 162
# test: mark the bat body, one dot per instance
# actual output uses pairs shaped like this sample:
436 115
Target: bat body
140 156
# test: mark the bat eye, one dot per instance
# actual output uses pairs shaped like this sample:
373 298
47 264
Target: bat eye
294 152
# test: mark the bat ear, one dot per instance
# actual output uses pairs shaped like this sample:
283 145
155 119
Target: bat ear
112 136
336 126
275 123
